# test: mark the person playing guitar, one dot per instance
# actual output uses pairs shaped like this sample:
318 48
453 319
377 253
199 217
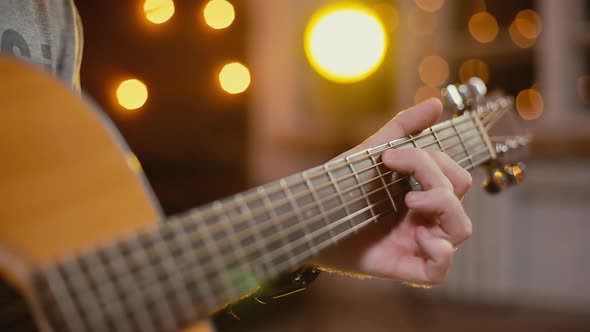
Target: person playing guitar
416 246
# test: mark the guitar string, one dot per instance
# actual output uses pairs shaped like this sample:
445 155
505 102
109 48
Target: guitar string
416 137
130 295
433 132
323 229
344 163
450 124
272 222
374 166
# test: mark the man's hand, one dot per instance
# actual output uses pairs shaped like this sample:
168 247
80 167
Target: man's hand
418 246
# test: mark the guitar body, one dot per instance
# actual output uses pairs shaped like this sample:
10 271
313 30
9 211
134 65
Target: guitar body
66 181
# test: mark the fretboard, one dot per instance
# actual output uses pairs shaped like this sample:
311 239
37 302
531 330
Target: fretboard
165 277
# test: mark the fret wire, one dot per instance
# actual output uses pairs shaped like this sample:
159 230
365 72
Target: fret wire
295 207
64 303
106 291
251 220
440 147
358 183
138 312
272 221
471 165
242 261
316 199
214 248
461 140
113 264
168 267
374 160
184 301
76 284
187 253
338 192
158 307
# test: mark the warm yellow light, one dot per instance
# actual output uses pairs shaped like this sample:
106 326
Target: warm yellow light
132 94
529 104
158 11
426 92
345 43
430 5
234 78
528 24
474 67
483 27
518 39
219 14
584 88
434 70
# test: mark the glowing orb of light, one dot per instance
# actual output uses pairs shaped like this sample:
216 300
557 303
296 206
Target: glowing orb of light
158 11
483 27
430 5
234 78
474 67
219 14
434 70
345 43
529 104
132 94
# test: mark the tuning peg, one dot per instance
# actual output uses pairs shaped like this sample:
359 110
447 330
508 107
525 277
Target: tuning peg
478 86
454 99
500 178
496 181
473 91
515 173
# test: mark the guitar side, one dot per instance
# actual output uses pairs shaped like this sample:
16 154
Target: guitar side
66 182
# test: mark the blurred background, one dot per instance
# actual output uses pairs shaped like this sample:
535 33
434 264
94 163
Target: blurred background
217 96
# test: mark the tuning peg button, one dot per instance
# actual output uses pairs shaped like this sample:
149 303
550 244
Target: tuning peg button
515 173
454 99
496 181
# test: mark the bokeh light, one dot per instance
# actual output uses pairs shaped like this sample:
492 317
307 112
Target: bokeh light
483 27
234 78
584 88
426 92
219 14
474 67
422 23
530 104
158 11
528 24
132 94
434 70
388 14
430 5
519 39
345 43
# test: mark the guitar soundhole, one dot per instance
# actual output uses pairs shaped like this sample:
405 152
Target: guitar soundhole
14 312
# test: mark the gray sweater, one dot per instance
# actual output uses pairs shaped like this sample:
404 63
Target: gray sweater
45 32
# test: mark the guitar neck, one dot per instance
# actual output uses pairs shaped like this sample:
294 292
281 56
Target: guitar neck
162 278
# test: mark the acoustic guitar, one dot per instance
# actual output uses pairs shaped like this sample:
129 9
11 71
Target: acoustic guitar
83 246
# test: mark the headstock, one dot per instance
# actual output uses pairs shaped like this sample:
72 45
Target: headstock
496 114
